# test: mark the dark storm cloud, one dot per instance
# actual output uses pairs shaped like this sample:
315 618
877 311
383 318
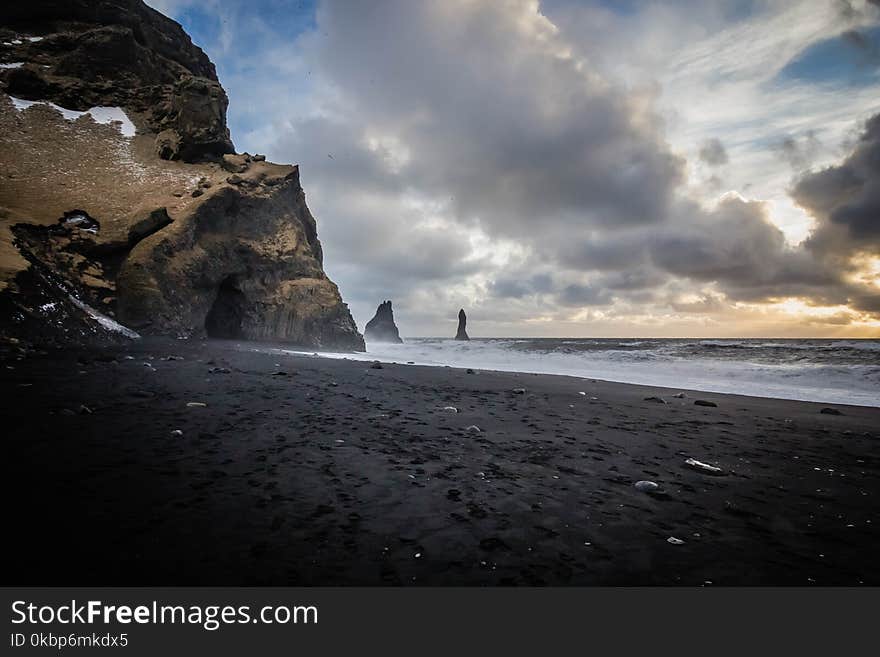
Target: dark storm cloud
518 284
510 288
845 199
736 246
733 246
622 249
637 278
569 289
580 295
529 134
713 153
867 300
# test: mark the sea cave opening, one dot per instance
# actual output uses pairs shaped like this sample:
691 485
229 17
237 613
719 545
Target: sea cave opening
225 317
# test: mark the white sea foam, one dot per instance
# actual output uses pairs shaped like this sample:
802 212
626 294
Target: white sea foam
845 372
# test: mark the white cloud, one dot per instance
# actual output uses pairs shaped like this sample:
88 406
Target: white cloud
526 160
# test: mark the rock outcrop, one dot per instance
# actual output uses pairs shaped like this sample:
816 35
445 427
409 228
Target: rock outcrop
166 230
382 327
461 333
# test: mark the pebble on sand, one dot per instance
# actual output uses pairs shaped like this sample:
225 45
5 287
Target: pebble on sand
674 541
449 409
705 402
703 467
646 486
519 391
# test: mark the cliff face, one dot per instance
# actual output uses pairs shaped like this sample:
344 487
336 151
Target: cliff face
382 327
166 230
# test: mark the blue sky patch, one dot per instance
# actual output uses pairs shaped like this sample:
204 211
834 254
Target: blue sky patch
851 58
235 38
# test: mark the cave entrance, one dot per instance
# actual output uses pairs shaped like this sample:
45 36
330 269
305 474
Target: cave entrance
224 318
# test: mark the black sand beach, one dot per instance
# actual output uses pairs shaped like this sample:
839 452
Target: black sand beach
308 471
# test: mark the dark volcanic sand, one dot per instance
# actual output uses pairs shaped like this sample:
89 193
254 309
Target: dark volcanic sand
342 474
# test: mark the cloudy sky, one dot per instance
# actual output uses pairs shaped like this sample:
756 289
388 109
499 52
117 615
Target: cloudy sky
574 168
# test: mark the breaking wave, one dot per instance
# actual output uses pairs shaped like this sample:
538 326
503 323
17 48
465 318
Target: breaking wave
833 371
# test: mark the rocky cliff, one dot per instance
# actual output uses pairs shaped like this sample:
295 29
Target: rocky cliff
382 327
122 199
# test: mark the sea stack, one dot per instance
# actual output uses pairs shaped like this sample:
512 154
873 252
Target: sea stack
461 334
382 327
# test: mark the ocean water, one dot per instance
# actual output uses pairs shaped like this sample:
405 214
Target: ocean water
834 371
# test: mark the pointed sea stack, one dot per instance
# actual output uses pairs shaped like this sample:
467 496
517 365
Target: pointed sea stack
382 327
461 334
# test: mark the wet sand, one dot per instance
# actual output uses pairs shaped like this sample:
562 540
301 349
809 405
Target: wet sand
308 471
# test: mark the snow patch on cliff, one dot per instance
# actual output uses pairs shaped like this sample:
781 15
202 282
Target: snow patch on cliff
110 115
